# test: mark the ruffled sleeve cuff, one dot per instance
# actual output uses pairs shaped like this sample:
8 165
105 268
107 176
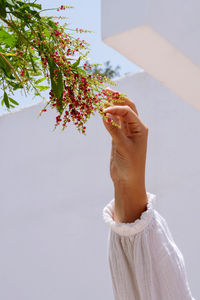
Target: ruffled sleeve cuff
129 229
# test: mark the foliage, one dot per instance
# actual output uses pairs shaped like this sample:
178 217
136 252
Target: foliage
107 70
37 53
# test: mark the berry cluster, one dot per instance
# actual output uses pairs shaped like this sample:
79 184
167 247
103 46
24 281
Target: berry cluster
22 72
42 50
82 93
63 7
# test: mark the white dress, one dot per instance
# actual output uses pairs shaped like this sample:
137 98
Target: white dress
144 260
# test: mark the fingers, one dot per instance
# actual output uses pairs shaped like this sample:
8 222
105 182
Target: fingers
115 132
131 125
127 102
125 112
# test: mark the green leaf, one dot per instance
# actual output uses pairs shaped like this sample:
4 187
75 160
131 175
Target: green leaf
3 8
32 63
27 74
5 100
47 32
74 65
35 58
38 6
16 86
2 103
35 74
10 2
6 68
7 38
56 85
25 8
42 88
81 70
13 101
12 106
52 24
40 80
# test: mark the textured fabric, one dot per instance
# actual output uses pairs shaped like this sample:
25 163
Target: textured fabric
144 260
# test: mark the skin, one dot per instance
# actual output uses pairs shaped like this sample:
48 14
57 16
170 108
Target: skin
128 160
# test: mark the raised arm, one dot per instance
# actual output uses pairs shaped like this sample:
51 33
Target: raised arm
144 260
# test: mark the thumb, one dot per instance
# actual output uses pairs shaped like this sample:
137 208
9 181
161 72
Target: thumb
114 131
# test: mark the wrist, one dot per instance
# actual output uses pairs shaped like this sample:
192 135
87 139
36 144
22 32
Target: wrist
133 183
130 200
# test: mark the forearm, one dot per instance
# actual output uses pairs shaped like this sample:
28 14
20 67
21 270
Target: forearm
130 200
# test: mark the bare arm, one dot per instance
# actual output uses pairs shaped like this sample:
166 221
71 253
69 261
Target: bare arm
145 262
128 158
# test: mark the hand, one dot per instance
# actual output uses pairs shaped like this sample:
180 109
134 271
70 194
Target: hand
128 159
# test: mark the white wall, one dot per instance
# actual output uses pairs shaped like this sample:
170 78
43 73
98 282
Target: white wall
54 186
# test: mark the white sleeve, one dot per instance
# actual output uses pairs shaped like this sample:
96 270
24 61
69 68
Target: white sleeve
144 260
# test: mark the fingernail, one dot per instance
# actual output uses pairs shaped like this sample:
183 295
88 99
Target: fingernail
109 118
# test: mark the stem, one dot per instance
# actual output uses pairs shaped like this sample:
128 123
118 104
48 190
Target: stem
47 9
12 54
8 54
3 57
